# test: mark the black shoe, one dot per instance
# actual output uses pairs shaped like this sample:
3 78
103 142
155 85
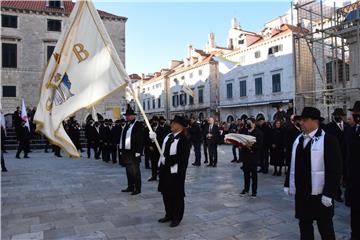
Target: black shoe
209 165
136 192
260 170
46 151
4 170
164 219
26 157
244 193
127 190
279 174
214 165
275 174
151 179
234 160
18 157
196 164
253 195
205 161
4 151
174 223
147 167
339 199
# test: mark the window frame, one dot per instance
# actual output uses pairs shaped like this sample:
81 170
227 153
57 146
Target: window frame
12 86
53 20
10 16
13 62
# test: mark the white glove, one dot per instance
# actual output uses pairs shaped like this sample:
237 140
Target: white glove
152 135
286 190
137 154
326 201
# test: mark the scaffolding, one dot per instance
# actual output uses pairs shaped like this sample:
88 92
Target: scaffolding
326 54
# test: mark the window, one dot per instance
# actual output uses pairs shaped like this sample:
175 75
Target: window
182 77
276 82
191 98
241 41
9 91
148 101
54 4
159 102
229 91
175 100
242 88
8 21
153 103
144 105
183 97
275 49
176 81
258 86
54 25
201 95
339 65
191 75
257 54
50 50
9 55
200 72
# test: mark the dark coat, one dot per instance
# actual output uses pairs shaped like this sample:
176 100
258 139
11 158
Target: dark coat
137 138
277 152
115 133
310 207
195 133
267 133
215 139
174 184
252 156
291 133
353 163
24 135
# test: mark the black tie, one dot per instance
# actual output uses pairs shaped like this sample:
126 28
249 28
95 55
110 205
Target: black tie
168 145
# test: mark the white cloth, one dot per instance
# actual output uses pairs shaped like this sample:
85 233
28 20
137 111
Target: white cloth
326 201
173 151
317 163
152 135
127 137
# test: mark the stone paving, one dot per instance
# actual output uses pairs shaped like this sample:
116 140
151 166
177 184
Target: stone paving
50 198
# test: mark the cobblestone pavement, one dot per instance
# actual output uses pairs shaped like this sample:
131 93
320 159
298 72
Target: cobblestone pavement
61 198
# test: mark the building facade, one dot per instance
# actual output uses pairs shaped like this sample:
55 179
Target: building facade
29 32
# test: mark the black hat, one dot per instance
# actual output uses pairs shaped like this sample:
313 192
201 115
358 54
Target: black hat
117 121
122 120
338 111
181 120
161 118
155 118
243 117
311 112
259 117
356 107
129 111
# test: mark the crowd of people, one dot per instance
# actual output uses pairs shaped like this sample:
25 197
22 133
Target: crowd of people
319 160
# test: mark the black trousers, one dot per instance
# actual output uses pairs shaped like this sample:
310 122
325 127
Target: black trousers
212 147
147 157
197 151
91 145
205 148
250 172
133 175
234 149
113 153
174 206
154 158
3 168
355 223
265 160
105 153
325 227
23 146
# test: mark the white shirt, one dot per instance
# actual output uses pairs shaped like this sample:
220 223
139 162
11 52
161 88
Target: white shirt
308 137
341 125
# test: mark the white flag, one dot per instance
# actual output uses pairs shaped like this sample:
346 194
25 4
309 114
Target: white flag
83 70
24 114
94 114
188 90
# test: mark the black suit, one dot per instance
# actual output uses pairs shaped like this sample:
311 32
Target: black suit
308 207
115 133
105 138
131 158
353 181
24 141
291 133
212 142
172 185
90 137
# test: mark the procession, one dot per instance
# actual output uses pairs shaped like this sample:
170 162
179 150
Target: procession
171 158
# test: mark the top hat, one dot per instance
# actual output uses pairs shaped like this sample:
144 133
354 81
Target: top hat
259 117
181 120
311 112
338 111
161 118
155 118
356 107
129 111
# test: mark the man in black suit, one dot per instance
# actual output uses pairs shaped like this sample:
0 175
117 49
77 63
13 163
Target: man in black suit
195 138
16 119
160 133
131 146
353 165
251 157
121 127
292 131
115 132
90 138
204 127
267 133
172 171
24 140
212 134
105 138
314 175
338 128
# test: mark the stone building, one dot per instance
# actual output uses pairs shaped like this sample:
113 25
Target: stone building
29 32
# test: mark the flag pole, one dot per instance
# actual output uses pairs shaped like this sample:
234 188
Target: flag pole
145 117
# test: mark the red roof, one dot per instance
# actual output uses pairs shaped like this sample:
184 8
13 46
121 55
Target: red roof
41 7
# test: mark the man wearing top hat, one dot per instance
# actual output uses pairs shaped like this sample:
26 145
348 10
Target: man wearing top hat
131 147
314 175
339 129
172 171
353 181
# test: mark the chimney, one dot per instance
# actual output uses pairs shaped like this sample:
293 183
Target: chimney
211 40
189 50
